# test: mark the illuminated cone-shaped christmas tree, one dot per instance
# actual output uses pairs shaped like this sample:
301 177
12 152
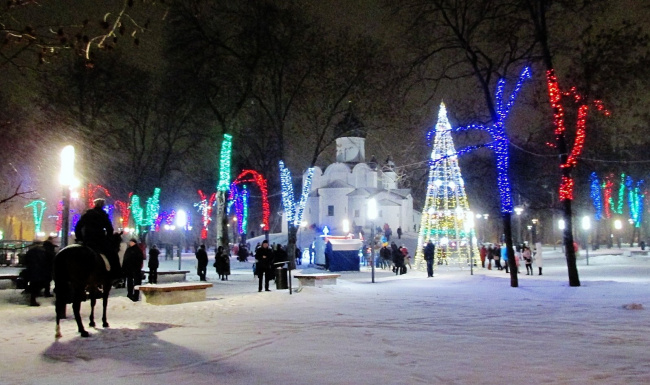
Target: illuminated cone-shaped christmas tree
445 217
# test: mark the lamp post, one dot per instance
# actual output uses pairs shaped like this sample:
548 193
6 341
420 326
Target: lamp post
618 225
561 225
265 230
181 223
518 211
66 178
586 225
372 215
469 225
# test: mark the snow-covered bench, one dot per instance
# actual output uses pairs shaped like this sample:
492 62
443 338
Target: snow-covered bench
8 281
174 293
170 276
638 252
317 280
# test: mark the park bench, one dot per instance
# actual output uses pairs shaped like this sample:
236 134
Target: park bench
638 252
170 276
174 293
317 280
8 281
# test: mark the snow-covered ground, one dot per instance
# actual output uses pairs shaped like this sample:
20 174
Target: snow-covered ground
452 329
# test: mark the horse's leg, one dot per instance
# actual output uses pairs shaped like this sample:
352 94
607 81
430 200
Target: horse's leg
76 306
106 291
93 301
60 313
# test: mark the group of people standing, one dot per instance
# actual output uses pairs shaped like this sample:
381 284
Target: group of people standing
499 255
397 257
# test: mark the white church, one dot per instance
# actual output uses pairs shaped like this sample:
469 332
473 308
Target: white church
342 191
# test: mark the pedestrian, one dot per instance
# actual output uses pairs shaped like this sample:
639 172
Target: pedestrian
222 263
50 252
329 252
407 257
490 257
483 254
429 252
387 232
37 273
539 261
132 267
385 259
496 255
264 258
528 258
398 259
399 232
201 263
153 264
312 252
504 258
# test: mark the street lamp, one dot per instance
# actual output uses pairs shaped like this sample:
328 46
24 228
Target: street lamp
586 225
518 211
618 225
469 225
66 178
372 215
265 230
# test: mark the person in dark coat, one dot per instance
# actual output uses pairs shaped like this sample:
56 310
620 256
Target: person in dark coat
329 252
153 264
398 259
37 272
429 252
399 232
264 258
93 230
202 263
132 267
384 257
224 260
50 253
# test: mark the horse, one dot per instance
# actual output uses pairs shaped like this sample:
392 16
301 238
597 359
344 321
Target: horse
80 272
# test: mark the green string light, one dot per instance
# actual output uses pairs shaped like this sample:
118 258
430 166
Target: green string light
224 163
38 208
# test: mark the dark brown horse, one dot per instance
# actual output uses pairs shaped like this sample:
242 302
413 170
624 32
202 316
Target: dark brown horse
81 273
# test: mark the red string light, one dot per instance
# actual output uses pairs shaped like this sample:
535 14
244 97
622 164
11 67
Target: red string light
252 176
555 97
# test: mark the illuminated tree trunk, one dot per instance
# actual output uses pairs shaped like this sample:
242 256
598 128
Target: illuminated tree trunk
537 10
507 231
222 220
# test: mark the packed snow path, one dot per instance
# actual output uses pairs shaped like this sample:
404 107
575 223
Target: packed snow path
451 329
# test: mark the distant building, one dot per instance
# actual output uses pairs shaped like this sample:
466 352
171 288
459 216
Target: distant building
342 191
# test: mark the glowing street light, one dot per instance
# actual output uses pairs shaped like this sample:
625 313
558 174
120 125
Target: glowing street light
346 226
181 219
618 225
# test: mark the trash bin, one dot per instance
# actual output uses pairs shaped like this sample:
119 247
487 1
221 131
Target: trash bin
281 281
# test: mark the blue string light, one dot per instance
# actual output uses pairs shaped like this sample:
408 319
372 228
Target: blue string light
596 197
293 211
500 142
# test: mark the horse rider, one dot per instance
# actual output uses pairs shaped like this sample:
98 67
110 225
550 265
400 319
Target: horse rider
93 230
